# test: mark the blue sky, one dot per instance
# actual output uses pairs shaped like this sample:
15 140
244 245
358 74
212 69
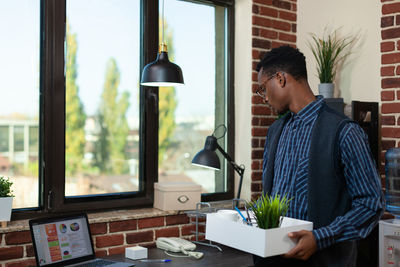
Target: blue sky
114 26
19 56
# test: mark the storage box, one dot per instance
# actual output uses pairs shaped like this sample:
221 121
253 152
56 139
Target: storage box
264 243
176 195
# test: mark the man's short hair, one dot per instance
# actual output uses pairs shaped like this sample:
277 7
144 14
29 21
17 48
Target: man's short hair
286 59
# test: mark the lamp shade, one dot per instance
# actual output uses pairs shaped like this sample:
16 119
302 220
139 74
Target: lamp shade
207 157
162 72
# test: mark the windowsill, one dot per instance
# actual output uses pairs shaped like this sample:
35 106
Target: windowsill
117 215
108 216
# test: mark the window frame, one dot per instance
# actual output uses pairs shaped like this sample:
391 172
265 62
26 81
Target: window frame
51 177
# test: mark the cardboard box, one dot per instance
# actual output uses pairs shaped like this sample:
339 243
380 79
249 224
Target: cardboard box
264 243
176 195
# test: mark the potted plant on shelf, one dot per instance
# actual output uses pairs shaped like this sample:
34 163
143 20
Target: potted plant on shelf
328 52
270 210
6 198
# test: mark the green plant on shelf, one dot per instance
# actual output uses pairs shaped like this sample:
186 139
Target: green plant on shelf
269 210
5 187
329 51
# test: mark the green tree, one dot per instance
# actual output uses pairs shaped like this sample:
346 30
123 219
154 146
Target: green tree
75 114
110 153
167 103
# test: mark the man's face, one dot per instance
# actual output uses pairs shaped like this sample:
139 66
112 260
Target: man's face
271 89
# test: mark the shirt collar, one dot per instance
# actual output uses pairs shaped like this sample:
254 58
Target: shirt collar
310 111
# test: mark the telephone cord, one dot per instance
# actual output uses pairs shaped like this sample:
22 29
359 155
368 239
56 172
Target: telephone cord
176 256
194 254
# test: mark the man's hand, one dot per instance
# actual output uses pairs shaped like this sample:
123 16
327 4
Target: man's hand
306 245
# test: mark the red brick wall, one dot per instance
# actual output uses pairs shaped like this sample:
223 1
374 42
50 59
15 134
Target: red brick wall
274 24
108 237
390 76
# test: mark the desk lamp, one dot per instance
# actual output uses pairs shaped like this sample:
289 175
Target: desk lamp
208 158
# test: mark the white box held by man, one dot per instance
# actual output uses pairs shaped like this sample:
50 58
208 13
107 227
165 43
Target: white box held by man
176 195
263 243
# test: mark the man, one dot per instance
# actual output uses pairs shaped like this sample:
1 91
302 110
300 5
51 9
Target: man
321 160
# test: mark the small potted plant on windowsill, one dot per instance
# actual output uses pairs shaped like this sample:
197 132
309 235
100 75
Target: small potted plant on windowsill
329 52
6 198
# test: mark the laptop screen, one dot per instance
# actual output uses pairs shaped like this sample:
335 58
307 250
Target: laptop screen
61 239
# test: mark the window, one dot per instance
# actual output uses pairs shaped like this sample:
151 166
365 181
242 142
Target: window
4 135
19 98
18 138
33 141
93 126
102 97
196 38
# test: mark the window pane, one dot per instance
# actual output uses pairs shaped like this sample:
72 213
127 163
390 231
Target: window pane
4 138
33 140
19 97
18 139
188 114
102 96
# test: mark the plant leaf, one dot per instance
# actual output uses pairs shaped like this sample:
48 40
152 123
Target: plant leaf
328 52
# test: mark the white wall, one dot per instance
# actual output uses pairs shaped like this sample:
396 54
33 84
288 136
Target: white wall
358 80
360 77
243 70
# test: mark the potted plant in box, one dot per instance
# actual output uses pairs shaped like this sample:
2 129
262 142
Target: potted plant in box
6 198
328 52
270 210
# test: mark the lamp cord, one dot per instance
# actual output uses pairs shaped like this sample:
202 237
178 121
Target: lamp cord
162 33
219 126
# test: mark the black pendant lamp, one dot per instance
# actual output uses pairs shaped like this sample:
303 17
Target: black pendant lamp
162 72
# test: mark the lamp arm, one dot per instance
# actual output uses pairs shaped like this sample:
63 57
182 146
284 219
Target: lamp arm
237 168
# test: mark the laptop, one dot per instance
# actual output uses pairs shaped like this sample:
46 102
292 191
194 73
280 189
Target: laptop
66 241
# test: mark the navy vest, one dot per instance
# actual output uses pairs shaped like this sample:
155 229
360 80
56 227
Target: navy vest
327 194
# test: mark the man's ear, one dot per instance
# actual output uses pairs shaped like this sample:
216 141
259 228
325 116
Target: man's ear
282 79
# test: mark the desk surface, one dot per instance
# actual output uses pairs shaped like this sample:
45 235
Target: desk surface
212 257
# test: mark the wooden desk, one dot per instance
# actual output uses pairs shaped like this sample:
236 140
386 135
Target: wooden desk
212 257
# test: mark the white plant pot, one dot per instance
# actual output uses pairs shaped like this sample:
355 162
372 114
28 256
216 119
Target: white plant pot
326 89
5 208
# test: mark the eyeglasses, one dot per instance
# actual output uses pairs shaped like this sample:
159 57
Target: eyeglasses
262 92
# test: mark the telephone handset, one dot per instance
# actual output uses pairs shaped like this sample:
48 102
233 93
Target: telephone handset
176 244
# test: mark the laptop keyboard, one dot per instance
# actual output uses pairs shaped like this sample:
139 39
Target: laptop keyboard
95 263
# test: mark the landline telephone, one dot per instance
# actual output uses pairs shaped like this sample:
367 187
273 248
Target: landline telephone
176 244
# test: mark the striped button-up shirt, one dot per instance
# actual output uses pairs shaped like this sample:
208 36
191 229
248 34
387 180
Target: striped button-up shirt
362 180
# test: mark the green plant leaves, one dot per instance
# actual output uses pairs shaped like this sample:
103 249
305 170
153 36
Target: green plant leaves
328 52
5 187
269 209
